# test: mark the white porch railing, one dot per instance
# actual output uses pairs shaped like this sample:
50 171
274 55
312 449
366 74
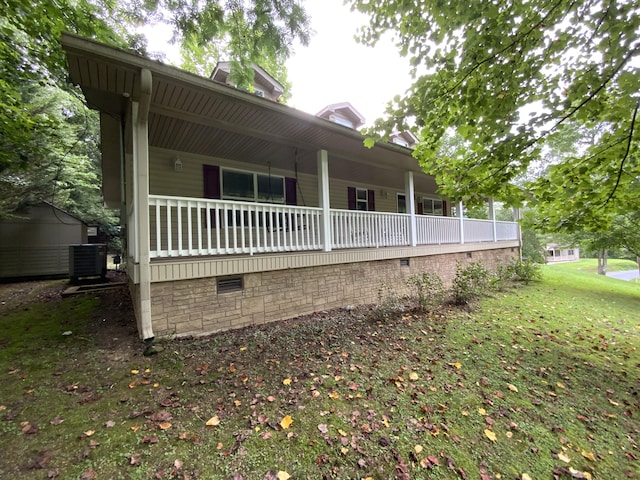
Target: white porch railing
190 226
478 230
356 229
181 226
506 230
433 230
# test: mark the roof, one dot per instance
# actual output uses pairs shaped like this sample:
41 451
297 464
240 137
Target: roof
344 109
222 70
197 115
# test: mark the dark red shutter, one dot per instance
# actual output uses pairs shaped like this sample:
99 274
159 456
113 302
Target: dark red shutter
290 192
444 208
211 181
420 208
211 177
371 201
351 198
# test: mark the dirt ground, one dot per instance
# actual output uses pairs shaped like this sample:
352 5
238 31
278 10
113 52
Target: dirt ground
113 325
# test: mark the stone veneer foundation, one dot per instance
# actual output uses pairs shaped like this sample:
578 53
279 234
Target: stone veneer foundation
194 307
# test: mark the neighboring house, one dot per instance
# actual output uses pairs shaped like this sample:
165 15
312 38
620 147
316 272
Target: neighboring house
264 84
242 211
557 253
35 242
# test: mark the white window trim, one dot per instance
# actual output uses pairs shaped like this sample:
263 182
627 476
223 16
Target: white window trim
255 186
432 212
365 201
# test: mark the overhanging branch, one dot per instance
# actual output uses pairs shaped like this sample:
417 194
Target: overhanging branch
626 154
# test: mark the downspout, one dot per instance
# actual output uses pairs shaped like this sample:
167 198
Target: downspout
141 126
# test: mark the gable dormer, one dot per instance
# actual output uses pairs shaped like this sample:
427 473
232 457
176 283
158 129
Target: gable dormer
342 114
406 139
264 85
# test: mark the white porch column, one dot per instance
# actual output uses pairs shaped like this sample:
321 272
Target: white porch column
411 208
323 194
461 218
140 119
492 217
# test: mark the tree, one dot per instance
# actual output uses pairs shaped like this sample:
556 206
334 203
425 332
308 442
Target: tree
509 77
244 32
32 65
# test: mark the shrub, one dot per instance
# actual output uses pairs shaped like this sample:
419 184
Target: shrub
429 288
389 303
526 271
470 283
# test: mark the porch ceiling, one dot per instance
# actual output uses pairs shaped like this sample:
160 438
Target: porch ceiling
194 114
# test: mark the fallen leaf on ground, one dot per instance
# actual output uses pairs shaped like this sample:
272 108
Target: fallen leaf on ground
286 381
513 388
490 435
564 457
282 475
286 422
213 421
588 455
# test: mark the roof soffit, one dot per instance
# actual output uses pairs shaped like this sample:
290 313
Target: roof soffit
110 78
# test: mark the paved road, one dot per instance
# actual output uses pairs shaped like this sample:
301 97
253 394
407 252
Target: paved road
625 275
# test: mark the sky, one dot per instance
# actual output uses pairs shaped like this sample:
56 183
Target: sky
334 68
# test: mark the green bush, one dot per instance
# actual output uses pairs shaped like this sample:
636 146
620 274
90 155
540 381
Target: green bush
429 288
470 283
526 271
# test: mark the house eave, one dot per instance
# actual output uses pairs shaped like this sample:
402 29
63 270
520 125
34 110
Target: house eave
110 78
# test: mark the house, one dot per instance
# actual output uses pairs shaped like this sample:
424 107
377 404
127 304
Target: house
556 253
239 210
35 242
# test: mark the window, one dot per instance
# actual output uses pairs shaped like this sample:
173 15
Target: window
341 121
258 92
270 188
236 184
432 206
402 203
240 185
569 252
400 141
361 199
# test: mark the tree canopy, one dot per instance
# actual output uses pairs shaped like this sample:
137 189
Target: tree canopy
509 77
47 143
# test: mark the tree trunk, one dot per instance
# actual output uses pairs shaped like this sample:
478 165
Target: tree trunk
638 262
602 262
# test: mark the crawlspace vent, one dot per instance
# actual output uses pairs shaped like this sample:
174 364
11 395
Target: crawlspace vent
226 285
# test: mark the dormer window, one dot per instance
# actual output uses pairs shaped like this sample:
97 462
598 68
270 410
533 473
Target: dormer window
341 121
400 141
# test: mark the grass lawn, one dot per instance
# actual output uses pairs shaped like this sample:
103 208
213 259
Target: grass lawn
538 382
591 265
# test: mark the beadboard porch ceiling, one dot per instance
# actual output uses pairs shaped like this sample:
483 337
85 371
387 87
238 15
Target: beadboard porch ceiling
197 115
